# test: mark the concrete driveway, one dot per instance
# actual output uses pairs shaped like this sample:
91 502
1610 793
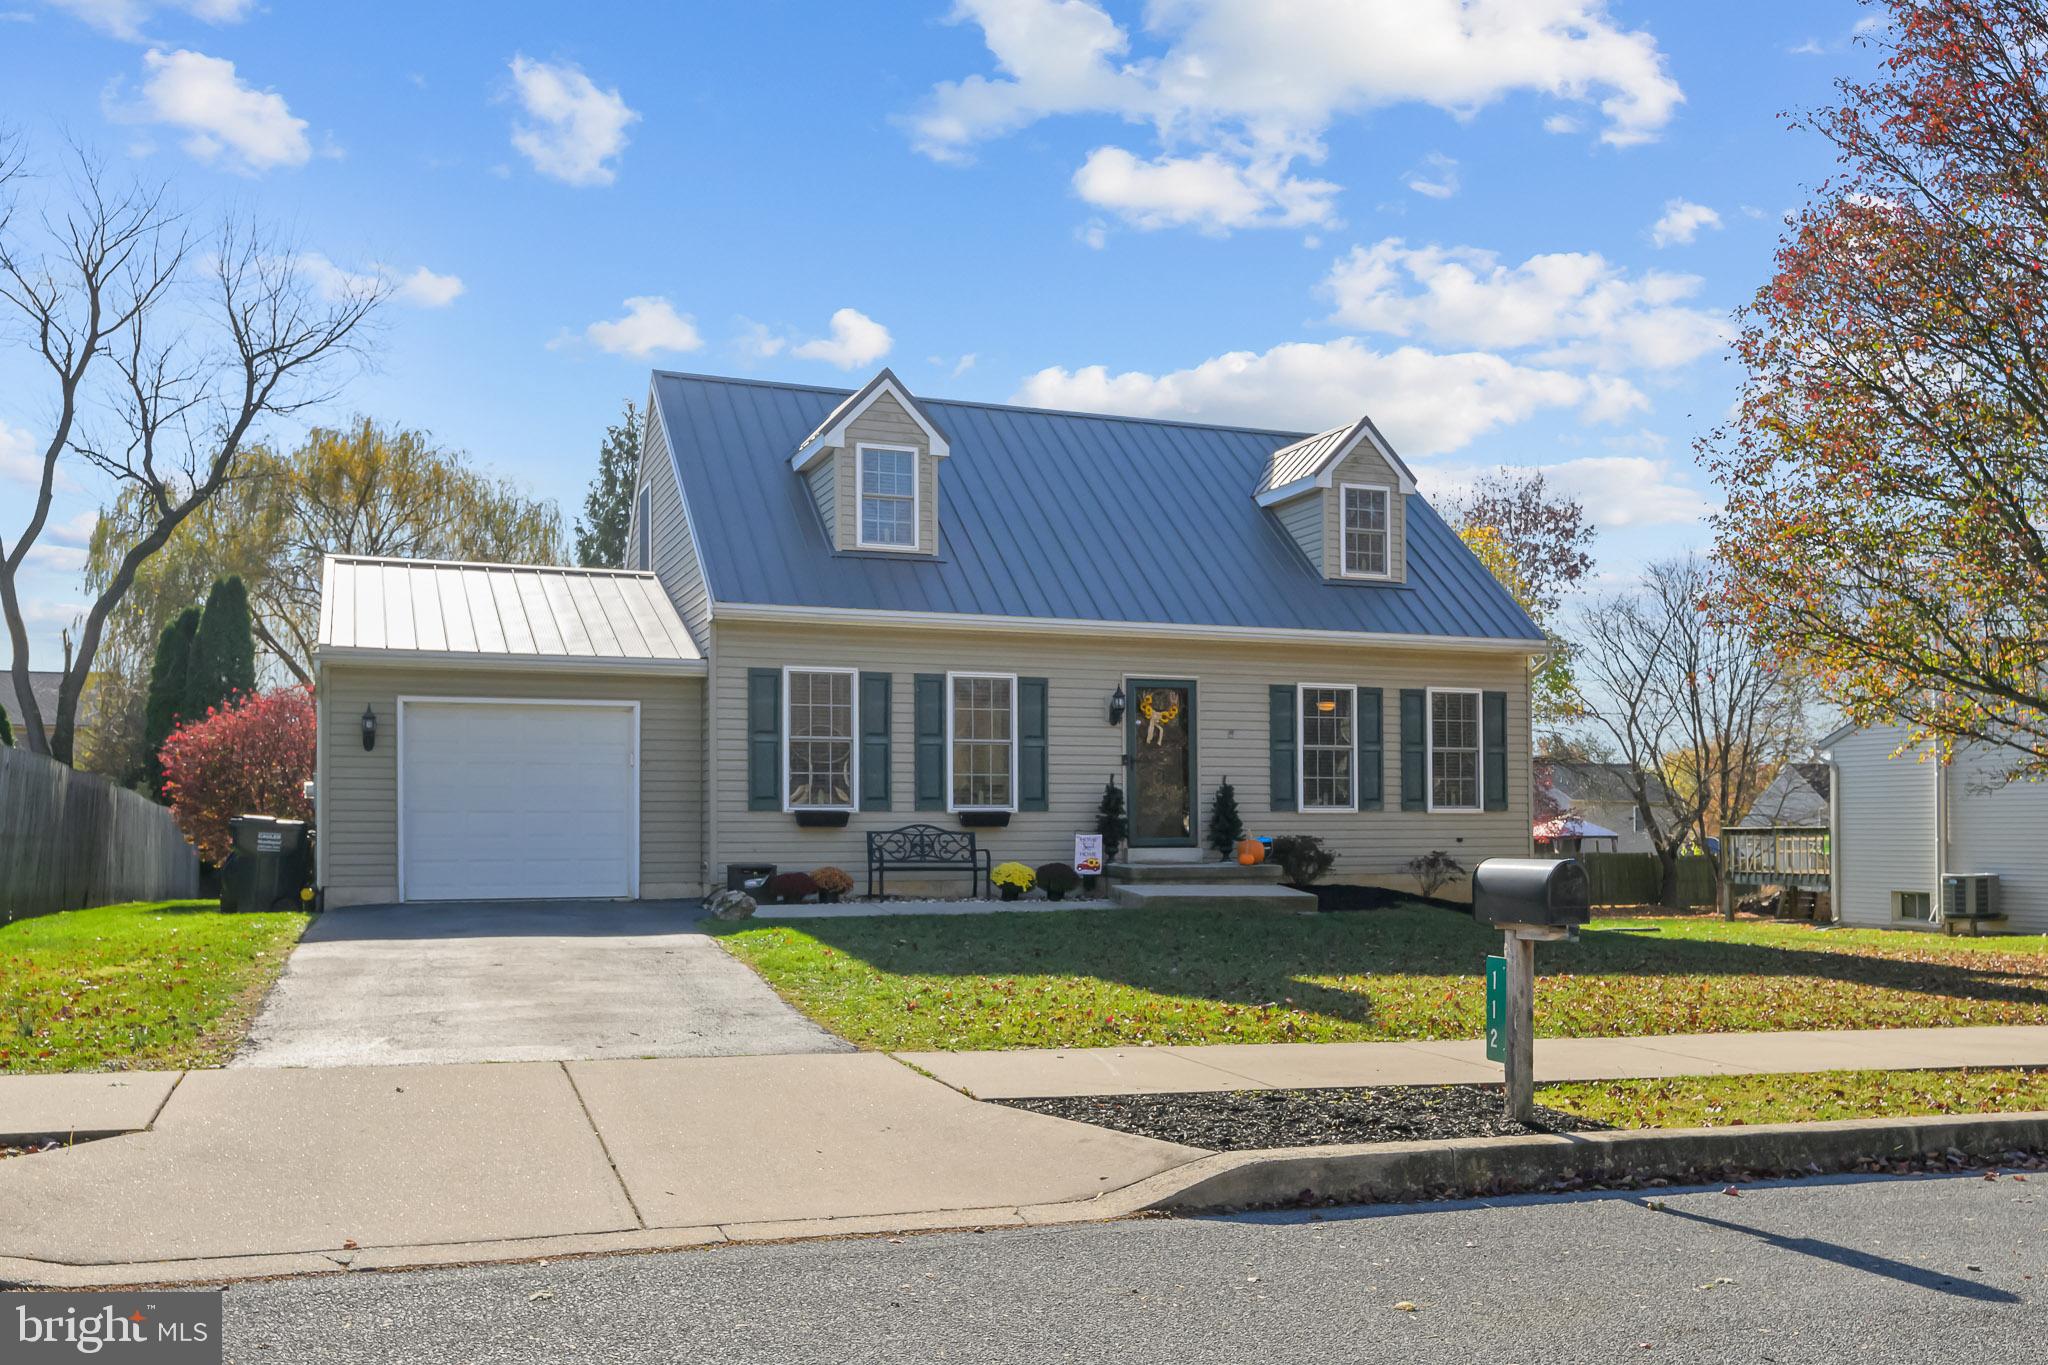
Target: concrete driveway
518 982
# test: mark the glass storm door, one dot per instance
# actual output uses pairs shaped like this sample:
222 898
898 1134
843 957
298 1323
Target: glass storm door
1159 745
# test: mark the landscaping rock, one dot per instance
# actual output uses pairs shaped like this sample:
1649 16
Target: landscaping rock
731 905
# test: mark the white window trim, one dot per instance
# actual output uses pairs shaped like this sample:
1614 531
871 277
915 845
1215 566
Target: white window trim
1301 805
1011 678
1344 532
853 745
1898 908
1429 751
860 460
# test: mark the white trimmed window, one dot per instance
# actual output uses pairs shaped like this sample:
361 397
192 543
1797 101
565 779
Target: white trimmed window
888 497
1367 520
1329 748
1454 753
818 728
1913 906
981 741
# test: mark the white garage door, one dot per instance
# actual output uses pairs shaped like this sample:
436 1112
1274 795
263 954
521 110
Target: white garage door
517 800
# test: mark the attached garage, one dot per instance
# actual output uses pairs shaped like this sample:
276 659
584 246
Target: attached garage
501 733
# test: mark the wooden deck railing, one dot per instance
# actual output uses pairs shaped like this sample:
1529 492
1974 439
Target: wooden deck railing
1766 854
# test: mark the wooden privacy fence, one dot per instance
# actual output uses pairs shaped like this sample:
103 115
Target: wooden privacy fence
70 840
1636 878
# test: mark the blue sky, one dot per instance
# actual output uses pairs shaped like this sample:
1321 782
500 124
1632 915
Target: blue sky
1511 230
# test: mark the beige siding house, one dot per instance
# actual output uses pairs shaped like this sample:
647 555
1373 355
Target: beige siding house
846 613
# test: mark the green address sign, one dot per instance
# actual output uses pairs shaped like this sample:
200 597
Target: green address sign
1496 1009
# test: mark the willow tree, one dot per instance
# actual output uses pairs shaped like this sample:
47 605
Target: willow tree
1886 520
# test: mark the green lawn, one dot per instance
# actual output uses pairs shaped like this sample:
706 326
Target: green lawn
1105 978
1725 1101
145 986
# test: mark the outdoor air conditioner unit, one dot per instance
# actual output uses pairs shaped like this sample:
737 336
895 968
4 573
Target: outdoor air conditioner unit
1969 895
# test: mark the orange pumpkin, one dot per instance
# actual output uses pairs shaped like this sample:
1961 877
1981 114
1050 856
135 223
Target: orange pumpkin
1250 852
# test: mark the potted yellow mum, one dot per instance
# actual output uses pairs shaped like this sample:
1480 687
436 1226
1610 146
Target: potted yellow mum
1012 879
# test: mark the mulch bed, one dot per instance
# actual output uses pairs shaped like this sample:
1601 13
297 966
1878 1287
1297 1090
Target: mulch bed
1240 1120
1337 896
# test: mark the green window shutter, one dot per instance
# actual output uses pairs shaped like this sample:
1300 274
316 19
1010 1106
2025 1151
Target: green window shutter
764 739
874 741
1280 698
1414 749
1372 763
1032 777
930 696
1493 738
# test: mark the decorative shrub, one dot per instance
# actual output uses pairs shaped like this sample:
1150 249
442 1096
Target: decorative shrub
790 886
1433 869
831 880
252 756
1226 826
1302 857
1057 879
1013 875
1111 822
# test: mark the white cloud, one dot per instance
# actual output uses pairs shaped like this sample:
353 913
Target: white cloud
1259 82
1618 491
651 324
245 129
75 530
964 364
856 340
125 18
1436 178
1561 123
1681 222
758 341
19 461
422 288
1427 403
1209 191
1093 234
1575 305
575 128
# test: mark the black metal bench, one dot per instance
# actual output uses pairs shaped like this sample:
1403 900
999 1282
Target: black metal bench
925 848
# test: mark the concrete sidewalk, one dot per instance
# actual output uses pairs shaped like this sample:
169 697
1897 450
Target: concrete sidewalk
1049 1073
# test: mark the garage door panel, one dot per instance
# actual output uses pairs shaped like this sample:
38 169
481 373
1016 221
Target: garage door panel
517 801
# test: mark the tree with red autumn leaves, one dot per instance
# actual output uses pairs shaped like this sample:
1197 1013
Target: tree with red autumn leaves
251 756
1886 522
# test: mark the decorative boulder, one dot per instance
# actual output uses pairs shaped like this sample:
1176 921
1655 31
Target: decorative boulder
731 905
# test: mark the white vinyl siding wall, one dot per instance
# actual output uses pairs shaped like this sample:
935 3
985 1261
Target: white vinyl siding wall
1364 466
2001 829
1302 518
1886 810
1085 751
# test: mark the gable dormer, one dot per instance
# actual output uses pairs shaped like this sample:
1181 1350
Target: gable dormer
872 468
1341 494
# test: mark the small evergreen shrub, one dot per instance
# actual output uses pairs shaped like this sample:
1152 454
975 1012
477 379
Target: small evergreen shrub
1302 857
1226 826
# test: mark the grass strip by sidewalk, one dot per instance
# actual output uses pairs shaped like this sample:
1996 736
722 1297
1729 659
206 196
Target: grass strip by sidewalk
1803 1097
150 985
1096 978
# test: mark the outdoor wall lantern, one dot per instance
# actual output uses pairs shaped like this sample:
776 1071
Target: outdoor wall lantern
369 728
1116 705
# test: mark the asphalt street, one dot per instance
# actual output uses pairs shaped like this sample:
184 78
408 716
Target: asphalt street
1894 1269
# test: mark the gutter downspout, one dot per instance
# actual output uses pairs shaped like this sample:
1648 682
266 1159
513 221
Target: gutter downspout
319 778
1935 908
1834 837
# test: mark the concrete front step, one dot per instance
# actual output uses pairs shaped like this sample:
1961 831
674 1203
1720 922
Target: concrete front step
1210 896
1187 874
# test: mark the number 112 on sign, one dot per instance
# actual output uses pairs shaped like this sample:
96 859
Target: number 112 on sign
1496 1009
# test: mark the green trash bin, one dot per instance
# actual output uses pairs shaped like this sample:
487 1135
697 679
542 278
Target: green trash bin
267 867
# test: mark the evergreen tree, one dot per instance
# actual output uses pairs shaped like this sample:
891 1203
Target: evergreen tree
6 730
166 698
1226 826
1110 822
608 506
223 663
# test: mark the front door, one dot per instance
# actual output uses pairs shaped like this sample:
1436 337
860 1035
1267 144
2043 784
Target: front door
1159 745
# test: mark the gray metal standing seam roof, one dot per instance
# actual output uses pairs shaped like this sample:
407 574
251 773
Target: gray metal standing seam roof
1067 515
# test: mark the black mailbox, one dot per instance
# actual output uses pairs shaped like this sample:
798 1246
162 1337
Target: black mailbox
1531 891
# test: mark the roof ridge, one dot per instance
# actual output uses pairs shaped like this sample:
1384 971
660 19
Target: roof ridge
992 406
592 570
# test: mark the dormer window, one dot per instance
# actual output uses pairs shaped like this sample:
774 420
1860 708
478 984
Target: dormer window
888 497
1366 522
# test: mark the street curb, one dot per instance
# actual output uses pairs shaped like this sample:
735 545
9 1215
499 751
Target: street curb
1225 1182
1402 1172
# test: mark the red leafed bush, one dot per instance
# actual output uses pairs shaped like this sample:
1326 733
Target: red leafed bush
249 757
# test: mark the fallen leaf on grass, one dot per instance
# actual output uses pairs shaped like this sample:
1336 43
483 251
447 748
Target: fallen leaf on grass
539 1294
1404 1306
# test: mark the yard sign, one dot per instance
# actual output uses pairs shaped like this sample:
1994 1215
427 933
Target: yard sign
1088 854
1496 1009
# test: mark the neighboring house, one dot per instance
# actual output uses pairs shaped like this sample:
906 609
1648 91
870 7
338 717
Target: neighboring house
1903 825
847 612
43 682
1796 799
1597 809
